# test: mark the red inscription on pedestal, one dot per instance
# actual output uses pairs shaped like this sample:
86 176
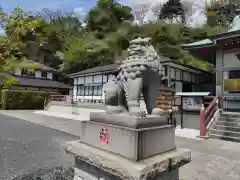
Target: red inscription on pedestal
104 136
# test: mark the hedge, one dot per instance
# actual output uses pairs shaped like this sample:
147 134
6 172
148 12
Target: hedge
22 99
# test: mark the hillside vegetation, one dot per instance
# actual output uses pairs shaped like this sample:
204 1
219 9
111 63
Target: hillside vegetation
60 40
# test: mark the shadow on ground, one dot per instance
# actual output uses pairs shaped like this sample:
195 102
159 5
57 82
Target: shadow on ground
57 173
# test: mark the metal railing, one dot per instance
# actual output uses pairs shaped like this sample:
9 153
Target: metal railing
89 100
58 98
206 114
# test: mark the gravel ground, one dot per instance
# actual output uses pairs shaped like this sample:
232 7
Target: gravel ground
26 147
58 173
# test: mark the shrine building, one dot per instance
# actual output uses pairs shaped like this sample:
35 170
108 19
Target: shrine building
88 83
223 51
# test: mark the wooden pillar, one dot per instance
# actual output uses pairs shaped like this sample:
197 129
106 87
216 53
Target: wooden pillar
221 72
202 122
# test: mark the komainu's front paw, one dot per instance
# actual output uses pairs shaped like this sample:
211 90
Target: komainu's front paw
137 111
114 109
157 112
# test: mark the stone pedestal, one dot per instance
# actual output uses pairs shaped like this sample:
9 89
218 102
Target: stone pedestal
116 147
143 137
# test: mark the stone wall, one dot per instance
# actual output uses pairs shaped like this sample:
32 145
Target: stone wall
191 120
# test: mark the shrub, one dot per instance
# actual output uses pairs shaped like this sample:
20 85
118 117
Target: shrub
21 99
10 81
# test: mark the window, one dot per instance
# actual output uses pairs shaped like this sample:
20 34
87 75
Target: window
44 74
178 75
99 92
97 79
234 74
88 80
55 78
81 90
194 88
194 80
90 90
81 80
187 87
78 90
95 91
164 82
197 79
26 72
86 90
186 76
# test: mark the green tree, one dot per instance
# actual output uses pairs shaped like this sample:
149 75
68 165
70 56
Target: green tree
85 53
221 14
107 15
19 30
171 10
60 29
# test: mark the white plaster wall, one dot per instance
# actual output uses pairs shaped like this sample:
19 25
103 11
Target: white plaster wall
88 80
18 72
75 81
80 80
178 86
49 75
38 74
230 59
98 79
74 92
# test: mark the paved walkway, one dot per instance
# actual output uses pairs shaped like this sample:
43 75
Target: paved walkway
188 133
211 159
61 124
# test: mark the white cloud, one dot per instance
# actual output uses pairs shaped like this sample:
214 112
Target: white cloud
195 10
2 31
79 10
80 13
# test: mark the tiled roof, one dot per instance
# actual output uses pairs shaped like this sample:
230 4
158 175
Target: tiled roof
34 82
38 65
199 43
110 67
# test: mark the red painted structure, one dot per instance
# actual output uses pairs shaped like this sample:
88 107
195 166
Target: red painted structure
207 114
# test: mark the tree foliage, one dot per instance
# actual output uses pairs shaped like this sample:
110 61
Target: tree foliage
63 41
173 10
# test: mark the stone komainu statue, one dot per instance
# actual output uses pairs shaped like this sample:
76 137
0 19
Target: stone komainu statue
140 73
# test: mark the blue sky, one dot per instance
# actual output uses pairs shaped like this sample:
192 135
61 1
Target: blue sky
36 5
65 5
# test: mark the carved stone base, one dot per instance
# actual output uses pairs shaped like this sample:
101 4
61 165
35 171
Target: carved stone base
94 164
99 174
128 121
134 144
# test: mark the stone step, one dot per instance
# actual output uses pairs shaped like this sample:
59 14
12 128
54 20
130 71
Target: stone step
227 128
225 133
236 120
227 123
226 138
230 115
